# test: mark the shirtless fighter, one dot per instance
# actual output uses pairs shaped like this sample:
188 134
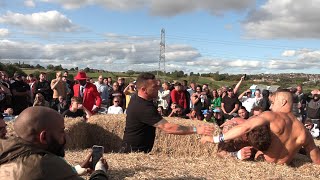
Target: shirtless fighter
288 134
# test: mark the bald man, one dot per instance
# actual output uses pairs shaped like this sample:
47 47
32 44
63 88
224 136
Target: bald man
288 134
38 150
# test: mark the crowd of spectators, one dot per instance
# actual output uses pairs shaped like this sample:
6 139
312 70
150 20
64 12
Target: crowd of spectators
78 97
200 102
82 97
179 99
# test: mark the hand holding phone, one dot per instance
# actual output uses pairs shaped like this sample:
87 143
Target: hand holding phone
97 153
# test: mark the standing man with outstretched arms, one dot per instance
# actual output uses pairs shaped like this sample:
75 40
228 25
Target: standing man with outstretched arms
143 118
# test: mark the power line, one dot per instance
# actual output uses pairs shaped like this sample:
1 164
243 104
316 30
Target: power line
233 43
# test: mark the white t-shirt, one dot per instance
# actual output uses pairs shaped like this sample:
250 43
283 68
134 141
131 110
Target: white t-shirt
314 131
115 110
249 103
164 97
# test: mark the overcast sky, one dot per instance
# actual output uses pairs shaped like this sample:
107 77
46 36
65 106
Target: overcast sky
229 36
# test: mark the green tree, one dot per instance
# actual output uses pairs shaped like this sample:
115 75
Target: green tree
50 67
86 70
130 72
11 69
51 75
38 66
36 74
58 68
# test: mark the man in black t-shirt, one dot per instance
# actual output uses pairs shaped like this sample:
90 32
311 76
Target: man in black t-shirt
77 110
143 118
43 87
20 94
229 104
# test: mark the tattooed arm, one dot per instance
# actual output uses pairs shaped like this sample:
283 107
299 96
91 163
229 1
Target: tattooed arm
171 128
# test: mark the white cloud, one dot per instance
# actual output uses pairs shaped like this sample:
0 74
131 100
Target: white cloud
304 57
29 3
170 8
244 64
50 21
115 56
162 7
281 64
110 4
311 58
289 53
181 53
225 65
291 19
4 32
144 56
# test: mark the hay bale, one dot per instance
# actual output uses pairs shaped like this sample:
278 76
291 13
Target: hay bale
107 130
147 166
182 145
99 130
173 157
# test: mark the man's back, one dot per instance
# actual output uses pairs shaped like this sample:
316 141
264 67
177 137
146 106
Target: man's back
288 136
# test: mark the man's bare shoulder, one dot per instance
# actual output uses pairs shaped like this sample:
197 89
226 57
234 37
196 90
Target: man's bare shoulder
277 121
269 115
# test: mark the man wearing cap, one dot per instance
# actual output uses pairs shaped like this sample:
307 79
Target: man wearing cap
88 92
216 116
229 104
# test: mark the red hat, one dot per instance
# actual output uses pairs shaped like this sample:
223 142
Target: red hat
81 76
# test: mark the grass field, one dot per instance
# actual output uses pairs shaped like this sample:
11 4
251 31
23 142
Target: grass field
197 79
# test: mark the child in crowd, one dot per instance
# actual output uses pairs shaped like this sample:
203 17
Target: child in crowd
62 105
176 110
115 108
160 110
